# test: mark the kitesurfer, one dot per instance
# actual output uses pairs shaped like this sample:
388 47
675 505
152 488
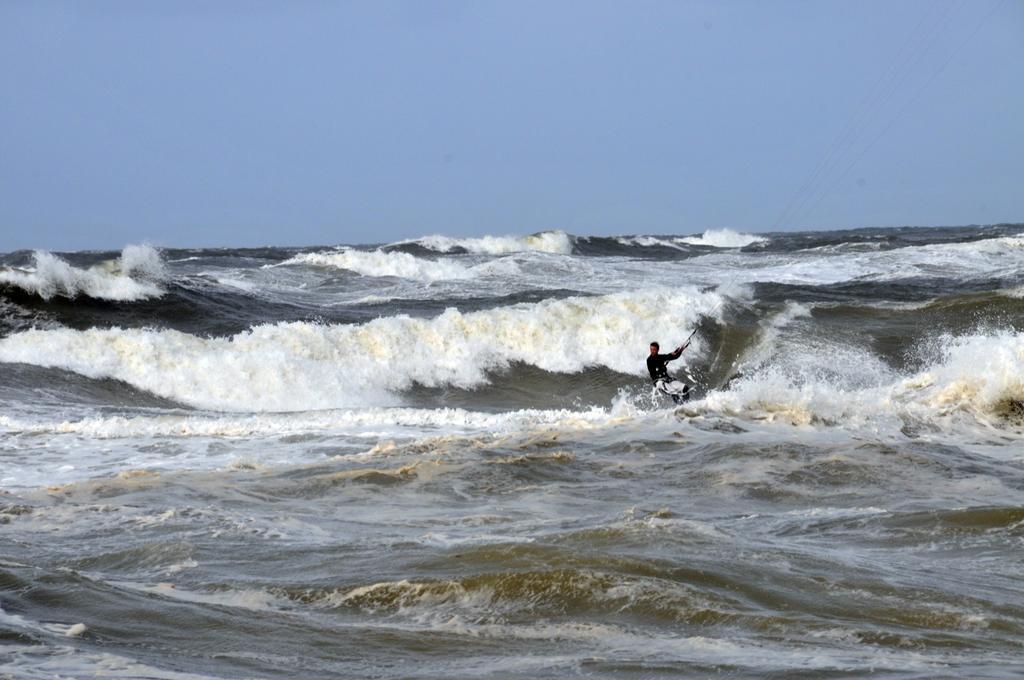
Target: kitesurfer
666 384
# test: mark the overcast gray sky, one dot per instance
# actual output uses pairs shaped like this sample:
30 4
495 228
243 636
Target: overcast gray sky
250 123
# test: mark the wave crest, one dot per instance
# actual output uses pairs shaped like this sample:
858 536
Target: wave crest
379 263
557 242
398 264
980 376
302 366
500 596
723 238
130 278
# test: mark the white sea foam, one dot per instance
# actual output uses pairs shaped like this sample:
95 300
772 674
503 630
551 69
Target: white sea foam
351 435
132 277
301 366
450 420
978 376
1017 293
723 238
770 333
977 373
1000 244
77 630
556 241
45 662
988 258
401 265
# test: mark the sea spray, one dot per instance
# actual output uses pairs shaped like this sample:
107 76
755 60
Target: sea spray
132 277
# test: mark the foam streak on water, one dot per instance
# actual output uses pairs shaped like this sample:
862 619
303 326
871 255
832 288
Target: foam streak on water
443 457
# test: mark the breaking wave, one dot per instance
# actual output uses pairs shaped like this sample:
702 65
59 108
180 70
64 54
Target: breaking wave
496 597
398 264
979 375
131 277
302 366
557 242
723 238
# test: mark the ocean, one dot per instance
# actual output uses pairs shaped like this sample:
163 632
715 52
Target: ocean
442 457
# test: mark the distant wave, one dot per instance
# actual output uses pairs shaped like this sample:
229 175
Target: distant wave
848 247
302 366
379 263
999 246
401 265
557 242
131 277
648 242
992 246
965 261
722 238
982 258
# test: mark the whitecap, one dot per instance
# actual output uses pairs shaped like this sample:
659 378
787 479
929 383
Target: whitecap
381 263
131 277
300 366
557 242
722 238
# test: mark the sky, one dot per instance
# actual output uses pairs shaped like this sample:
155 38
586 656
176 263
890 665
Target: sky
300 123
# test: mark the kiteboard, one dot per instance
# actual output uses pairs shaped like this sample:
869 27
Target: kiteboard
677 389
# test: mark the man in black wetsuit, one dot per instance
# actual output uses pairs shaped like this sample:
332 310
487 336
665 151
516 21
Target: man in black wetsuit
656 364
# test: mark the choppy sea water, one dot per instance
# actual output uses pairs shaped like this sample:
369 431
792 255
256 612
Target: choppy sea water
442 457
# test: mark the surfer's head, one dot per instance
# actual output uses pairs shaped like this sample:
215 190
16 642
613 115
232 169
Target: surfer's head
655 347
